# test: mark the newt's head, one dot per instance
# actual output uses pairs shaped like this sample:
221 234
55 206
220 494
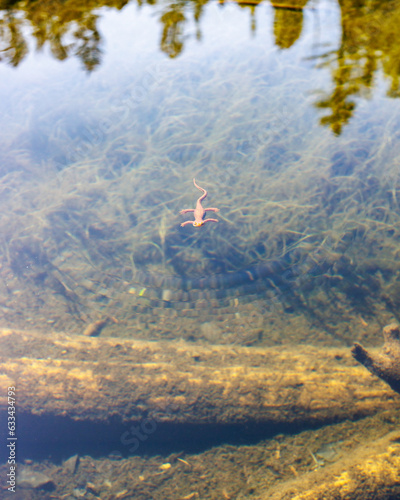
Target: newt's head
198 224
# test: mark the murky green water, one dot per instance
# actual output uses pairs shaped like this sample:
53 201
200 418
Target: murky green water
288 116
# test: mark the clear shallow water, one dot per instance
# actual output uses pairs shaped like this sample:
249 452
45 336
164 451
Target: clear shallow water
274 111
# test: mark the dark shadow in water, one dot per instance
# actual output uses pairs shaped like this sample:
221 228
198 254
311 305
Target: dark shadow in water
41 437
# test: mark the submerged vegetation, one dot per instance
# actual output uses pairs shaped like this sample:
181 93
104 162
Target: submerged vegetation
91 193
90 200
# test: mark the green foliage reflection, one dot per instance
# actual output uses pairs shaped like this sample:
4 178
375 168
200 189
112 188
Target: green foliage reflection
370 39
70 29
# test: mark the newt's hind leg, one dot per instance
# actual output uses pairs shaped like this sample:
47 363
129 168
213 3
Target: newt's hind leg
186 211
211 209
186 223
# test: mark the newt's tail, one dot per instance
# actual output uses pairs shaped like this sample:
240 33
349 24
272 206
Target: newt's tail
201 189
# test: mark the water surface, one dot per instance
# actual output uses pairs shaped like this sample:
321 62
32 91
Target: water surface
287 114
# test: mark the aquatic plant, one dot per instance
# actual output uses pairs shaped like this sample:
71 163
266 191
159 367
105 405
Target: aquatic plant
91 196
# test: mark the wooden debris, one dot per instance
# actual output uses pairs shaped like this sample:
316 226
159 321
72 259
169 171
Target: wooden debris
97 379
94 329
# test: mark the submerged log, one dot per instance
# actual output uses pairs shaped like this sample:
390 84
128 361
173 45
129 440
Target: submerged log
386 364
99 379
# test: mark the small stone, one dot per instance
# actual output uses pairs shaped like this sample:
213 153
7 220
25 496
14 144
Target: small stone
211 331
27 478
94 329
71 465
91 488
166 295
79 492
121 494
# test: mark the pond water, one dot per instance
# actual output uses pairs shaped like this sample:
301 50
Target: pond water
283 115
287 114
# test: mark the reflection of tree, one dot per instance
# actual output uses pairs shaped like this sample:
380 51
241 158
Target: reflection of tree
68 27
173 21
198 11
370 38
288 23
341 107
370 35
88 39
11 38
171 41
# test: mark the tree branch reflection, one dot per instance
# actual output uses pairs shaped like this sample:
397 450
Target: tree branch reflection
370 39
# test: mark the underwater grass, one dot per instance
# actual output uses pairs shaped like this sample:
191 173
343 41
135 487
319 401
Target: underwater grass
98 205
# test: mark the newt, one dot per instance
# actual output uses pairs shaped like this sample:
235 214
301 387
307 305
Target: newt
199 212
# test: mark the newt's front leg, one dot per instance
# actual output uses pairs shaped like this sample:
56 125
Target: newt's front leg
186 223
